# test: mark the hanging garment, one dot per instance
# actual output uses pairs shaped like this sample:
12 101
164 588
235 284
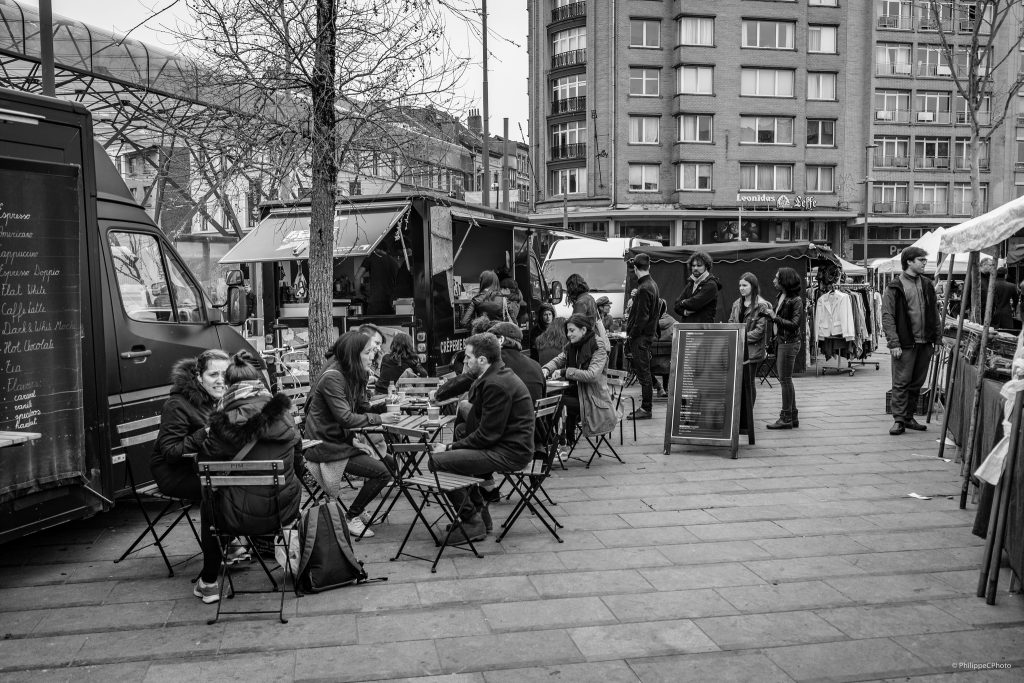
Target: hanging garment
834 316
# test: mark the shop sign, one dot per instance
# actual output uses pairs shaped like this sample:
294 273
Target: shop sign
782 202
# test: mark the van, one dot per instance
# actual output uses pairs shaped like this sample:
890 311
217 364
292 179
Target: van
599 262
95 307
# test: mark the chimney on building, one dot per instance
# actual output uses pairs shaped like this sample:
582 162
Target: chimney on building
475 122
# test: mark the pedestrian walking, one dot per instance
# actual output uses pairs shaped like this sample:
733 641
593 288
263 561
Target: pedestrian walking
910 319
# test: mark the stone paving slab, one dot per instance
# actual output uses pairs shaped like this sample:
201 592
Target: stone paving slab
804 559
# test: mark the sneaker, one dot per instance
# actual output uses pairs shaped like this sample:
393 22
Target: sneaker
662 394
358 528
207 592
472 529
491 495
237 552
368 519
915 425
640 414
897 428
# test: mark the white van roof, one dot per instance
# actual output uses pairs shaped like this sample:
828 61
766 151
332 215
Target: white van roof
613 247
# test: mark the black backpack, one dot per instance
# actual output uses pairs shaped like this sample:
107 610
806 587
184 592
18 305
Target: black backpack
327 560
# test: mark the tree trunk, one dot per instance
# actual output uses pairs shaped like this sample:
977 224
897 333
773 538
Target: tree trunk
977 296
325 181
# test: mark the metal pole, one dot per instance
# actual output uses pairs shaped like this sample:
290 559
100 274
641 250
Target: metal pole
46 47
486 196
954 357
972 433
932 396
867 197
504 169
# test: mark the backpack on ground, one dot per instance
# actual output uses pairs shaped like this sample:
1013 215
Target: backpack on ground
327 560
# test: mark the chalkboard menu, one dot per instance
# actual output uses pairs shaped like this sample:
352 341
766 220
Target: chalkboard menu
706 385
40 324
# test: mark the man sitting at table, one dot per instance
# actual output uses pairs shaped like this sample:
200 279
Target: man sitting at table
497 435
510 336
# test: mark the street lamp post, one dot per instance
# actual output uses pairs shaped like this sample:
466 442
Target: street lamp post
867 198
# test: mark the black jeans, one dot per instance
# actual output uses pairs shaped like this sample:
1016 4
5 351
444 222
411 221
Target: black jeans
785 360
471 463
571 403
908 374
640 348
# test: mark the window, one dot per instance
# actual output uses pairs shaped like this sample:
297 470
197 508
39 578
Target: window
644 33
767 82
821 179
766 130
696 80
823 3
893 59
822 39
962 113
644 82
569 181
696 128
895 14
931 153
925 17
571 39
768 35
568 133
147 293
697 31
819 231
892 106
932 62
932 106
643 177
643 130
821 133
569 86
962 195
963 159
695 177
890 197
892 152
930 197
821 86
767 177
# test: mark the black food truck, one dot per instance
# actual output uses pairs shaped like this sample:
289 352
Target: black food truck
95 308
403 262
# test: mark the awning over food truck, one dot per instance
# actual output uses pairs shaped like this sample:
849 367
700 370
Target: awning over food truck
284 235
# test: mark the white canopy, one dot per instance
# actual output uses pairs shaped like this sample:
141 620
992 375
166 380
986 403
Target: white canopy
852 268
985 230
929 241
960 264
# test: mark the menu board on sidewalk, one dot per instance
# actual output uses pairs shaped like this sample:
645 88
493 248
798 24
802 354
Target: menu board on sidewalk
40 323
706 385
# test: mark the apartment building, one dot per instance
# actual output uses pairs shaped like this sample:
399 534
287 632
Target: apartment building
696 123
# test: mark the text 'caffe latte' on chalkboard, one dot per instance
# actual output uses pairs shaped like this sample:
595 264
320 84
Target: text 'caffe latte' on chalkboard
705 391
40 323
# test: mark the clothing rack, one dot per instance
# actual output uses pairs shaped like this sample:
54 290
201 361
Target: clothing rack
860 362
851 363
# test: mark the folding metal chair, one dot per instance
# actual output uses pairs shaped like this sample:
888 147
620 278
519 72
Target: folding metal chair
433 487
618 380
529 481
218 476
179 507
766 369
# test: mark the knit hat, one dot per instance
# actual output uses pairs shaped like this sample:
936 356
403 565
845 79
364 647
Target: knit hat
602 301
507 330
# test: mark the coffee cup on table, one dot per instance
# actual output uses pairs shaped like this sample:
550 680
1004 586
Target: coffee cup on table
433 413
394 407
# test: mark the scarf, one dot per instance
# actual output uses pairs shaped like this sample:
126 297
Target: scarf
243 391
578 354
698 280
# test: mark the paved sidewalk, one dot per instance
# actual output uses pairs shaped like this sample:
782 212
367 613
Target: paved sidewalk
802 560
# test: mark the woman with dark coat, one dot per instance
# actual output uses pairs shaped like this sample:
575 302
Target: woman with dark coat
401 361
786 315
579 297
249 418
551 341
587 399
196 386
753 311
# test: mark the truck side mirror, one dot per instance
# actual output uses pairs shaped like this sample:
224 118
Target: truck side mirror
236 305
556 292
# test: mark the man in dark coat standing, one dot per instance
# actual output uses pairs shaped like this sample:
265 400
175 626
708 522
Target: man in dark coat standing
910 319
498 433
1004 301
641 329
699 300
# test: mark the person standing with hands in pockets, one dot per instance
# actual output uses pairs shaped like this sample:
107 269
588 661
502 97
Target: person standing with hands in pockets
641 329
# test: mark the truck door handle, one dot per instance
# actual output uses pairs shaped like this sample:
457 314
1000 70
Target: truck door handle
136 355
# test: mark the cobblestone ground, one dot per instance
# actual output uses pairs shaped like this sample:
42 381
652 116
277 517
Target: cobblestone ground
802 560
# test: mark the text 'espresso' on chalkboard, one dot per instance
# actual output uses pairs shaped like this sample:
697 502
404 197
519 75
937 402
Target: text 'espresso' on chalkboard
40 317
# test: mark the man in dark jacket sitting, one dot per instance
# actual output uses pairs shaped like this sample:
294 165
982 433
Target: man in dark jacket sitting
498 434
699 301
510 337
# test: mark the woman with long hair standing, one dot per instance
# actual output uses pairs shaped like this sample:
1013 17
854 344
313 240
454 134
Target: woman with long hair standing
551 341
751 310
337 405
488 300
787 314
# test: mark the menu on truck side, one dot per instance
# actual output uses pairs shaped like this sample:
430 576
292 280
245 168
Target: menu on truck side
706 385
40 324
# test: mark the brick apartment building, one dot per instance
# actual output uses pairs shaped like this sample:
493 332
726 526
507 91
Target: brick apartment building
701 122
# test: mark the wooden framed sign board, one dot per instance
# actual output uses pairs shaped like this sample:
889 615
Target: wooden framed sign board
706 386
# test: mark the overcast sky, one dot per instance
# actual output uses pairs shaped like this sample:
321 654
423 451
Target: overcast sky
507 43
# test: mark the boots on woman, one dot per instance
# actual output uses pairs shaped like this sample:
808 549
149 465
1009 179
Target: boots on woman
795 418
784 421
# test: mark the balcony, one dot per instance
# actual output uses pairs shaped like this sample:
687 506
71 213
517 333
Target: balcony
570 11
929 208
569 58
927 23
574 150
569 105
964 118
890 161
933 70
892 116
964 164
964 208
890 207
899 22
893 69
929 163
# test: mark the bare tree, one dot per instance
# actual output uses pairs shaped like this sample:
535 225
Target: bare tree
335 75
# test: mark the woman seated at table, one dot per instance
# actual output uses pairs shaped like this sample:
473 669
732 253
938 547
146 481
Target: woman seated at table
402 361
249 419
551 341
337 405
587 400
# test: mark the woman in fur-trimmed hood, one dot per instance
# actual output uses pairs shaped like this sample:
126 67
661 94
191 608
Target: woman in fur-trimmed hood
249 413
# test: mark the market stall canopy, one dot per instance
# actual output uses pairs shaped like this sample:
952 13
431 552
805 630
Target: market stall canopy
852 268
985 230
930 241
959 264
735 252
521 225
284 235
